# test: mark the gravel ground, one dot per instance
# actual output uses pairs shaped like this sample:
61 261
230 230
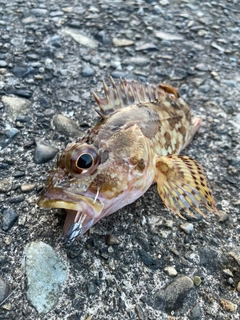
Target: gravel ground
142 262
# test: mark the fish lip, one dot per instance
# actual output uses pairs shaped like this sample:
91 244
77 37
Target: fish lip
65 199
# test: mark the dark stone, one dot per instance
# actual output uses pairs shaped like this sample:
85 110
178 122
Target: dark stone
149 261
102 37
23 71
8 219
44 152
19 174
173 296
17 199
4 166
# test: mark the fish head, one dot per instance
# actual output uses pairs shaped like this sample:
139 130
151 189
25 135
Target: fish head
91 181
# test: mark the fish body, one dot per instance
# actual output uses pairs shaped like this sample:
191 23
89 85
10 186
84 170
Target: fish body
137 142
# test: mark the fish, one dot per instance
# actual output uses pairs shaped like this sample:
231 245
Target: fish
138 141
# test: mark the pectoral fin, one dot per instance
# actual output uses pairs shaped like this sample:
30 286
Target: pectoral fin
181 184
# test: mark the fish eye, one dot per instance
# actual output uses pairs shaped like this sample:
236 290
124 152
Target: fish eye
85 161
82 159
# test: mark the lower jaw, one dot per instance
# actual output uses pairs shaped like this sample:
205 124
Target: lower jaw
70 220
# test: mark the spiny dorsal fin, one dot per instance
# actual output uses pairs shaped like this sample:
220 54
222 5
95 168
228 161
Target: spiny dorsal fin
126 93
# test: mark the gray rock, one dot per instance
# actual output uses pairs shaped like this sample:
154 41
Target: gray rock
80 38
196 313
147 47
15 106
5 184
11 132
187 227
9 217
38 12
137 61
87 71
4 290
45 274
66 126
118 74
139 312
173 296
44 152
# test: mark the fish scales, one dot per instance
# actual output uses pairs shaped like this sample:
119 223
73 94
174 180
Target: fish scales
137 142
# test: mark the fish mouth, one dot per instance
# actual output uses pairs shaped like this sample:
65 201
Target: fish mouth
74 204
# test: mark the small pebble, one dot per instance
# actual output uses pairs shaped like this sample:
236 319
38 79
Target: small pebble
222 216
187 227
87 71
227 272
197 281
227 305
27 187
112 240
172 272
5 184
122 42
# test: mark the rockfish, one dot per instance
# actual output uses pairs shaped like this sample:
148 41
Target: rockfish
143 129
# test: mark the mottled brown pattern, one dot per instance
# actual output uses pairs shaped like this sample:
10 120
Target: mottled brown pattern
141 126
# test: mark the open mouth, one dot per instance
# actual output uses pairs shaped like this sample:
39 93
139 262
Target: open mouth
82 211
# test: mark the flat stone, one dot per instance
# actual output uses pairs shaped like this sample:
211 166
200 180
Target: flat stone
137 61
66 126
44 152
45 274
9 217
4 290
168 36
147 46
122 42
80 38
15 106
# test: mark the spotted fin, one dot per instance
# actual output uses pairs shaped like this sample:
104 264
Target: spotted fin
181 184
125 93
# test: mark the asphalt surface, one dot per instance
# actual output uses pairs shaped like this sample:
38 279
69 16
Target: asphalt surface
142 262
